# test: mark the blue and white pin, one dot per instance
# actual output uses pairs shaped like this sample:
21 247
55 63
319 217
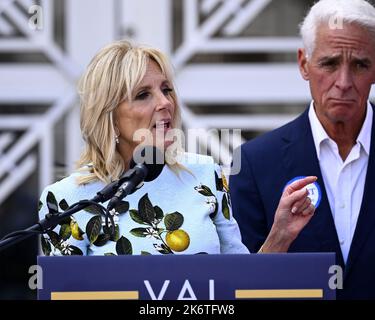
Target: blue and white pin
315 193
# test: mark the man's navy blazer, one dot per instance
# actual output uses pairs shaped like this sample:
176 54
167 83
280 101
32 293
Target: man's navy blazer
270 161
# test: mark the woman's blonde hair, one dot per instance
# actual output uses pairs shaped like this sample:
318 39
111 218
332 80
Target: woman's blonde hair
111 78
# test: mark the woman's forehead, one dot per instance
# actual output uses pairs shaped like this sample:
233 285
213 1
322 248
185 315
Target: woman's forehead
153 74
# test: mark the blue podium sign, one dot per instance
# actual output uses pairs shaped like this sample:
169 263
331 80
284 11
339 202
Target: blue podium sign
188 277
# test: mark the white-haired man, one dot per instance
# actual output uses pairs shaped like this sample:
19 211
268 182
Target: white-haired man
334 139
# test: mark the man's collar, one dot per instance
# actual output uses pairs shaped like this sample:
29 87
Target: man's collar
320 135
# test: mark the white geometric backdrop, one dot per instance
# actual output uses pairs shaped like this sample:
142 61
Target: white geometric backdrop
208 27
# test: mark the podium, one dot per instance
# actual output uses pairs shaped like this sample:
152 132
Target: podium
188 277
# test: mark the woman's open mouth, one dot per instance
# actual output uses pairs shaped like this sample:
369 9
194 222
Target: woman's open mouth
162 125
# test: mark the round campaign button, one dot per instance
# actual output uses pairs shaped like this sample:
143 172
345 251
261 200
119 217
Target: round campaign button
315 194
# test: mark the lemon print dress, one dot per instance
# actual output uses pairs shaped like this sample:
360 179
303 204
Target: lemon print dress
184 213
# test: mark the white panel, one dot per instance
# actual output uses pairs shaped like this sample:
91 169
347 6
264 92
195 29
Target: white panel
17 122
5 27
89 26
245 16
31 83
194 42
26 3
17 176
242 83
5 140
35 133
191 18
150 20
208 5
46 155
254 44
18 45
250 122
48 27
74 142
5 4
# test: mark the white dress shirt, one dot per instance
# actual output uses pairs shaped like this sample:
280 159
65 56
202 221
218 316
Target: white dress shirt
344 180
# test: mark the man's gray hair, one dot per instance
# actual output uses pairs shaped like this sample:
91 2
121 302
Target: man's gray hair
335 13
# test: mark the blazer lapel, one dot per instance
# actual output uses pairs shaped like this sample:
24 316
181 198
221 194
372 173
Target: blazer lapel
301 160
366 218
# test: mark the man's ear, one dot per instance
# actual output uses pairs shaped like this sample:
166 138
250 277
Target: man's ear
303 64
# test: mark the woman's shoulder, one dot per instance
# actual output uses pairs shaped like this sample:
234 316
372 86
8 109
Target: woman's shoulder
66 183
195 159
200 162
203 167
69 189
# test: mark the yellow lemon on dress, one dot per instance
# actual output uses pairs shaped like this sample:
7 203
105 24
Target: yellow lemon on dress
76 231
177 240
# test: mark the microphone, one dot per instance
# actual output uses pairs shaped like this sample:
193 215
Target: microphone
146 165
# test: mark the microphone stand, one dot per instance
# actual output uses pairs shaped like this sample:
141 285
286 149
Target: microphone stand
52 219
48 223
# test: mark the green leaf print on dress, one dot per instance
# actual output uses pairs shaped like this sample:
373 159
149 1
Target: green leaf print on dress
171 238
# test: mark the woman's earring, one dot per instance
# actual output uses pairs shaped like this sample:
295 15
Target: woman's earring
117 134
